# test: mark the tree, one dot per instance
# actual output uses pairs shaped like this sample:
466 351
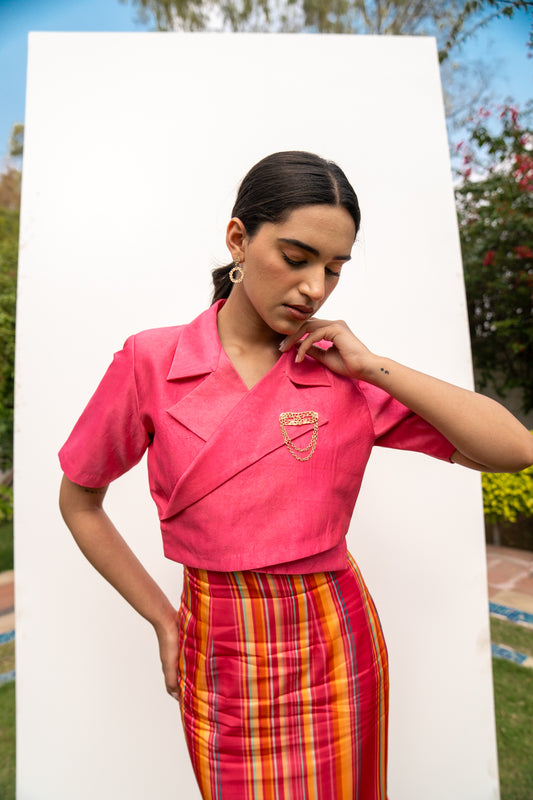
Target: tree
16 140
10 189
10 177
10 180
451 21
495 212
9 230
325 16
478 13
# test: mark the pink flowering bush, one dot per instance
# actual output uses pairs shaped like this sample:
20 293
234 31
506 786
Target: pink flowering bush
494 199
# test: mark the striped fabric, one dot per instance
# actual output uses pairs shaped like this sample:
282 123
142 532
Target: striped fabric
284 686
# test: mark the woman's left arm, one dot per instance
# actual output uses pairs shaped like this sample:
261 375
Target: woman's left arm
486 436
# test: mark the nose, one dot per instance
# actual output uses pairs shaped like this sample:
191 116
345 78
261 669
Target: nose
313 284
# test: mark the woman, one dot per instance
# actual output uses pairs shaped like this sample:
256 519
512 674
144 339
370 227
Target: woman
259 419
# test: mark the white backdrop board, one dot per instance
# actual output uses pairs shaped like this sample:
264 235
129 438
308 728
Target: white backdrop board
135 144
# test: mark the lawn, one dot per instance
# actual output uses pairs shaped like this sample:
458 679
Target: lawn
513 693
513 690
7 740
516 636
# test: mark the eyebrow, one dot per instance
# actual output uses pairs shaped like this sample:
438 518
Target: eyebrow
310 249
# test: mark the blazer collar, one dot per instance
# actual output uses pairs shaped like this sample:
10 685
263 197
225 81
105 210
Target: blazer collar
308 373
198 348
198 352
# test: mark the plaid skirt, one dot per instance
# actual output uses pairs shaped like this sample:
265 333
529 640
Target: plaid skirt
284 686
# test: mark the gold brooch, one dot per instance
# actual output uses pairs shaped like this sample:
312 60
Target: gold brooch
299 418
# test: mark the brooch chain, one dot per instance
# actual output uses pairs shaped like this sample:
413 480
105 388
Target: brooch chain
299 418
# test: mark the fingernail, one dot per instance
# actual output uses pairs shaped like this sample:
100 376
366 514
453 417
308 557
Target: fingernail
283 344
175 695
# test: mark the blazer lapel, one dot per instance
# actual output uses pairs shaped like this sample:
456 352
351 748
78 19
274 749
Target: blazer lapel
199 353
204 408
240 427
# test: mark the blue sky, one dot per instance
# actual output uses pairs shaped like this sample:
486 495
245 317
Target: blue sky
18 17
503 43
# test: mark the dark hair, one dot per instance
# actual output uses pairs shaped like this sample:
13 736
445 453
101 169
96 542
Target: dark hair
277 185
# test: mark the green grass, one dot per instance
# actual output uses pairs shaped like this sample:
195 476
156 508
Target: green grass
7 690
7 740
516 636
7 657
6 547
513 699
513 691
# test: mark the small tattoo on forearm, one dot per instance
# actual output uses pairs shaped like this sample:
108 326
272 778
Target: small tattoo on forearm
386 371
93 491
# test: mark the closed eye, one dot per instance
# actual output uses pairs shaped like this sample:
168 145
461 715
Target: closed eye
292 262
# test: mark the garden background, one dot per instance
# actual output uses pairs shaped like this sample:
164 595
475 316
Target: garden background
491 150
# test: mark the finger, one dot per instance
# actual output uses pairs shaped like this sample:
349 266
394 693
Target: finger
169 665
319 354
306 328
172 686
327 334
175 693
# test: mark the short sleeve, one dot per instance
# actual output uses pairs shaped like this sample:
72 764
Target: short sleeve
398 427
109 437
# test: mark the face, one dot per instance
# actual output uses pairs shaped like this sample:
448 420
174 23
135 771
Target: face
292 267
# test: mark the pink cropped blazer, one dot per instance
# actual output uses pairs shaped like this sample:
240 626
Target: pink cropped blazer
230 492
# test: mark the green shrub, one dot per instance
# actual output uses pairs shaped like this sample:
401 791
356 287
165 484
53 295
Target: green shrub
6 503
9 221
508 497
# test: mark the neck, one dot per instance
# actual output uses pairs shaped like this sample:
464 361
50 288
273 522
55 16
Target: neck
240 327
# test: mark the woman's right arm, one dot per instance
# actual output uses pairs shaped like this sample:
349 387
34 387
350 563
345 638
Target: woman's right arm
104 547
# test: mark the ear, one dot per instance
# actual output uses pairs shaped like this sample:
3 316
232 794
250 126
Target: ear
236 238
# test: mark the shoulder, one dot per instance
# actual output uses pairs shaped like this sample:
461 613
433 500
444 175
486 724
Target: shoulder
167 339
151 350
179 350
155 338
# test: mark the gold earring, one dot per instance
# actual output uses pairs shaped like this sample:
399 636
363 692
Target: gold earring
236 268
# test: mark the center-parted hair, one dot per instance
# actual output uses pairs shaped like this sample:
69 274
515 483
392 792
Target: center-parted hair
277 185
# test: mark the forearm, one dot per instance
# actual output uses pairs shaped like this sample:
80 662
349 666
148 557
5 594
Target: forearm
104 547
481 429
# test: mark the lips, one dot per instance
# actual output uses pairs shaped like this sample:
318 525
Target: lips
303 309
300 312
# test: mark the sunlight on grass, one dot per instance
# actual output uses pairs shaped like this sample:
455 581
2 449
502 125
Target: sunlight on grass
516 636
513 691
7 741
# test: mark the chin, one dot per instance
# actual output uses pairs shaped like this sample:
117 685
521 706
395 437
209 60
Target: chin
282 325
287 328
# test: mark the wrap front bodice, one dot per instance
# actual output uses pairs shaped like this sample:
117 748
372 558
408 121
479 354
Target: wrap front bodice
230 492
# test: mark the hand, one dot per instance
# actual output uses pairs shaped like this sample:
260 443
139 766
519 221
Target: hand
168 638
347 355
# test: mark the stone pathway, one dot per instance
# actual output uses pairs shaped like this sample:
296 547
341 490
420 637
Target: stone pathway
7 627
7 602
510 583
510 577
